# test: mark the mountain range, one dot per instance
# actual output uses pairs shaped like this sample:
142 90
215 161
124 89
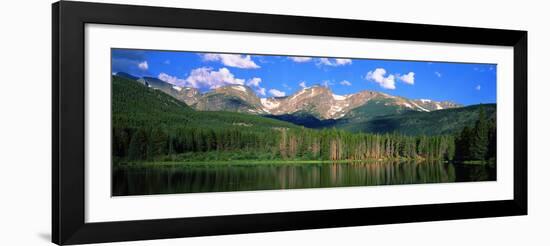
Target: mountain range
317 101
313 107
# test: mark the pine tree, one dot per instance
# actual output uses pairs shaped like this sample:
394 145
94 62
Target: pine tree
451 149
492 148
462 144
158 143
138 146
480 138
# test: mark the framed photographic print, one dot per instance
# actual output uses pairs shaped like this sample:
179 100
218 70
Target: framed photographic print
176 122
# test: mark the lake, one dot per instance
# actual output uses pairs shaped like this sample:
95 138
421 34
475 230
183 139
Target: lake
192 178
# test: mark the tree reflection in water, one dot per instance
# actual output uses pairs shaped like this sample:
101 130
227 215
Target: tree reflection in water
191 178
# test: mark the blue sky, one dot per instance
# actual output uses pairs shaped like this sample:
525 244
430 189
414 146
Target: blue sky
269 75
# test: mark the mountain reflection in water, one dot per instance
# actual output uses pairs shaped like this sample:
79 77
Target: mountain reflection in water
192 178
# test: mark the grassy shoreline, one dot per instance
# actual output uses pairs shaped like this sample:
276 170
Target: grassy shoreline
175 161
125 163
259 162
477 162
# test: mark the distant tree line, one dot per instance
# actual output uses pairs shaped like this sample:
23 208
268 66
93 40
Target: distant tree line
279 143
472 143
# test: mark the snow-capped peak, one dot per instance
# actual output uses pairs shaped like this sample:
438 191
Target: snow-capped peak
338 97
269 103
425 100
239 87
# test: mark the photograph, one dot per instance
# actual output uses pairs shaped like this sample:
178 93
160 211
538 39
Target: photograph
275 123
202 121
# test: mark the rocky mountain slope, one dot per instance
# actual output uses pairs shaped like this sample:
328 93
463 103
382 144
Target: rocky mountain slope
234 98
317 101
324 104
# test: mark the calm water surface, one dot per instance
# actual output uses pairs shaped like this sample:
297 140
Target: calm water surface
190 178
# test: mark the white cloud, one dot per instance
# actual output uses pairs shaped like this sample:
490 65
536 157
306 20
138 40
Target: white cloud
300 59
334 62
343 61
143 65
286 86
302 84
232 60
277 93
327 83
261 91
254 82
345 82
407 78
167 62
204 77
378 76
262 59
207 77
438 74
478 87
172 79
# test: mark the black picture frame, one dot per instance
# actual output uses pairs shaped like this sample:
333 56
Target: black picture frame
68 122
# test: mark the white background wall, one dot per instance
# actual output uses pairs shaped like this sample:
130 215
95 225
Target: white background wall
25 101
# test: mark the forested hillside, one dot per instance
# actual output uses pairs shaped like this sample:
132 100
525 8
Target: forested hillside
372 118
445 121
134 105
150 125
